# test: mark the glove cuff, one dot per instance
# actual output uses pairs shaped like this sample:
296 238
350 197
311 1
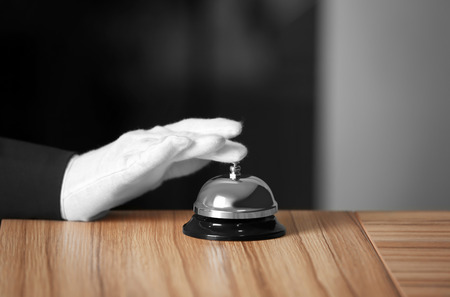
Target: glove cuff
64 185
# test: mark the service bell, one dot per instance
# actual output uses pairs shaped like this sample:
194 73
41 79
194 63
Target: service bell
234 207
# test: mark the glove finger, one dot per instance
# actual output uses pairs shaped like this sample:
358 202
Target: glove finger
147 172
202 145
219 126
185 167
158 154
231 152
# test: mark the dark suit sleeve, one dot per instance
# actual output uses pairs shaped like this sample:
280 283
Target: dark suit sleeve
30 180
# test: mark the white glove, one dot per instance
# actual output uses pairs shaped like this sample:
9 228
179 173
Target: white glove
142 160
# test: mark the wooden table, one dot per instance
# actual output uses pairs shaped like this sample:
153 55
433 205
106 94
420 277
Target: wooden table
144 253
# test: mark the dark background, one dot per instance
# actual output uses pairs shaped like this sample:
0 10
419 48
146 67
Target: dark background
77 75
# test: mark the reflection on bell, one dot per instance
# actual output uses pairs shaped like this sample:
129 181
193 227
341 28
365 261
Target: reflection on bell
234 207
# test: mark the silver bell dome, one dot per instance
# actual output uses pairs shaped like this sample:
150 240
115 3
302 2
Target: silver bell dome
235 197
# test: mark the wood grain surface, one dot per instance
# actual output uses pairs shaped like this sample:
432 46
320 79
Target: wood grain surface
415 247
144 253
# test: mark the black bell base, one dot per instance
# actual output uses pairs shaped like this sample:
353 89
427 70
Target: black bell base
233 229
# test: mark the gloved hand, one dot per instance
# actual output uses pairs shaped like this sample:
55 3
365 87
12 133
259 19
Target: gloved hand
141 160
